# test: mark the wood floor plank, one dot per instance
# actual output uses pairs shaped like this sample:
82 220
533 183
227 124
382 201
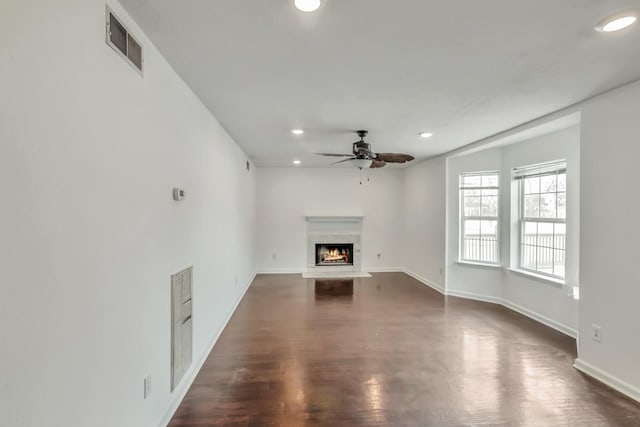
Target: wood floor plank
388 351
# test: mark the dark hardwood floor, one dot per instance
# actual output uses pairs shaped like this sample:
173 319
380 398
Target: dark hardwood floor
388 351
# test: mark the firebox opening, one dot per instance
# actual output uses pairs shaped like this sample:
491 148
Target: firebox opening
334 254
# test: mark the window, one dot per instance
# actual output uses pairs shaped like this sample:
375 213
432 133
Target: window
542 218
479 217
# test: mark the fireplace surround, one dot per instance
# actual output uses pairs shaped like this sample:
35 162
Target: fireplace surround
340 237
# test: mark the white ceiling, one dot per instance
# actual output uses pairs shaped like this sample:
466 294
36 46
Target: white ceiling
463 70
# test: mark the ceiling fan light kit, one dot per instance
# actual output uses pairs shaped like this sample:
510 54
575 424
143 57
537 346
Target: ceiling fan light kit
361 163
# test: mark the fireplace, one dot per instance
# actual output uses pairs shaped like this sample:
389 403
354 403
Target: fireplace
334 233
334 254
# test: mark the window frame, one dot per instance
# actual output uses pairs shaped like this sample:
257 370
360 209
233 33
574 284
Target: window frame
463 217
560 167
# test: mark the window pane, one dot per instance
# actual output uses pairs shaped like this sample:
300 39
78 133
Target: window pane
471 240
530 235
471 228
560 232
529 257
545 260
472 181
562 205
532 185
472 206
543 247
480 240
532 206
489 228
548 205
489 180
489 193
559 263
548 184
469 193
562 182
545 234
490 205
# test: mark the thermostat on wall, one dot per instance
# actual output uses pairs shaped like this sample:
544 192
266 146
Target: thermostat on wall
179 194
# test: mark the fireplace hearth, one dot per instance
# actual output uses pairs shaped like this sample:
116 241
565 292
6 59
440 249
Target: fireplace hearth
328 254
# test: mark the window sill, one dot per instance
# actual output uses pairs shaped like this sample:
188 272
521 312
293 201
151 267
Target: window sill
549 280
479 264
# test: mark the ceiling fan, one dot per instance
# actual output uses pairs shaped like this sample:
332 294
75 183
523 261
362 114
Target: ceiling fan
363 157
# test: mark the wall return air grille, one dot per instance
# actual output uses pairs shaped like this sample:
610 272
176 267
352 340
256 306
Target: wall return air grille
121 40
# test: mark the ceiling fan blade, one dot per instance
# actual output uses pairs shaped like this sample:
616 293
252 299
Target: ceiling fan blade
341 161
377 164
394 157
334 154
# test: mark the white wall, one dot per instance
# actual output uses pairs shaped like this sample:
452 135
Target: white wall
424 221
89 234
286 195
610 231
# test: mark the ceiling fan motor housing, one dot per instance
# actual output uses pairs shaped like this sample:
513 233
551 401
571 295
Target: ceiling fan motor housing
361 148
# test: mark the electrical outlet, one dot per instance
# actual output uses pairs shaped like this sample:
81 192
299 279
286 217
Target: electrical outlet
441 271
379 255
274 256
236 279
147 386
596 333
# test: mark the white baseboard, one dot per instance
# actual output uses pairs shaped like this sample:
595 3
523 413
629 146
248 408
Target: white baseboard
473 296
560 327
383 270
281 271
608 379
424 281
192 373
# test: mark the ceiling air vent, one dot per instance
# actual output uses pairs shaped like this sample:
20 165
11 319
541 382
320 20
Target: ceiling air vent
119 38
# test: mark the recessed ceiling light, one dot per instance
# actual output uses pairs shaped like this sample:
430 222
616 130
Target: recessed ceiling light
307 5
426 135
297 162
617 22
297 131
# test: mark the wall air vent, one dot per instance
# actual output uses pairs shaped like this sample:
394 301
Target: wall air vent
121 40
